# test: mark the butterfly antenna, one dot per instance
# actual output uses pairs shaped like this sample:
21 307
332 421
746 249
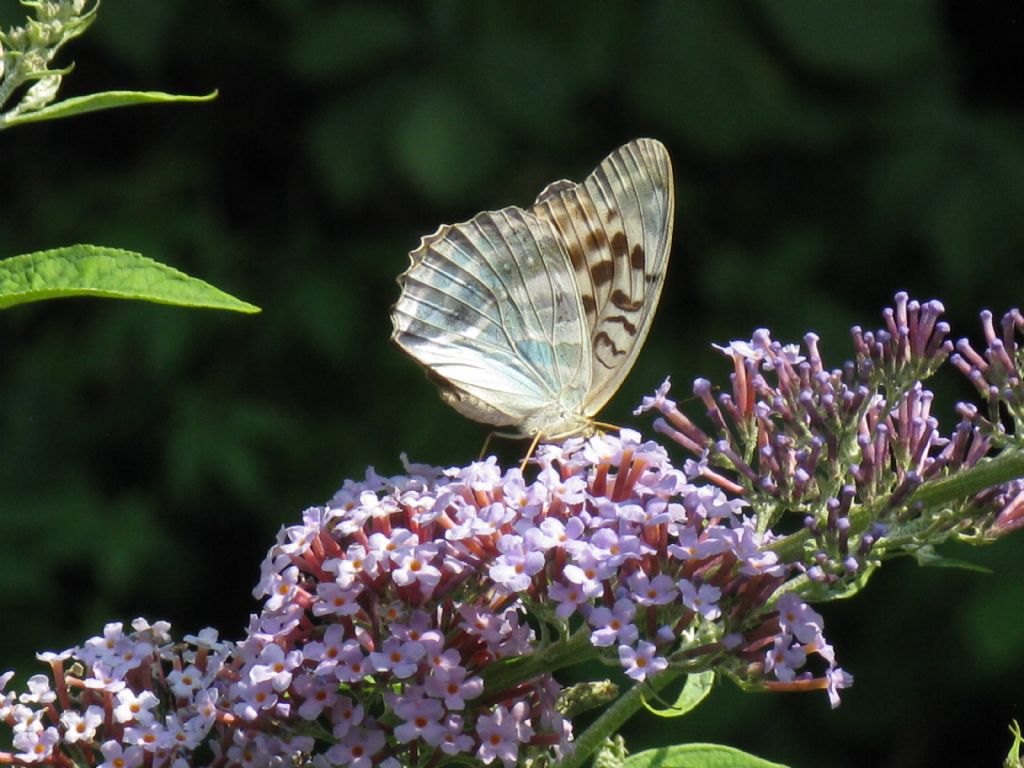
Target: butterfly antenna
605 426
529 453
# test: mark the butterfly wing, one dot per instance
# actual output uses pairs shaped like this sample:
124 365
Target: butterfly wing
489 307
617 228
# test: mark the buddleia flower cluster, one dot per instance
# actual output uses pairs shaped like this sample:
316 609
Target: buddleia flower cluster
420 618
855 453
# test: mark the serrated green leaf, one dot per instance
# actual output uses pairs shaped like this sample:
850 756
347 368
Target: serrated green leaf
697 756
93 102
926 556
89 270
694 692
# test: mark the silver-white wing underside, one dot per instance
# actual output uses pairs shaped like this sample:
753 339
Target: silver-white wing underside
490 308
617 228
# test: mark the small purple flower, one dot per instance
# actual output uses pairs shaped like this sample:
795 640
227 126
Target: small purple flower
318 692
587 571
282 587
454 741
326 653
252 698
185 682
568 597
799 619
79 726
135 708
345 715
501 732
414 567
401 659
660 400
641 662
454 687
275 666
613 626
36 746
614 549
116 756
837 680
358 747
660 590
422 718
785 658
703 600
517 564
337 600
357 563
353 665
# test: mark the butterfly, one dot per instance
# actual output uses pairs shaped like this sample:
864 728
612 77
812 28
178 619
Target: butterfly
531 318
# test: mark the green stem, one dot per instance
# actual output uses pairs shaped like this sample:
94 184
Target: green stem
612 719
1008 465
573 650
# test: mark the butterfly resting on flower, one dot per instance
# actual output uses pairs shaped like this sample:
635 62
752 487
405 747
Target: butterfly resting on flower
531 318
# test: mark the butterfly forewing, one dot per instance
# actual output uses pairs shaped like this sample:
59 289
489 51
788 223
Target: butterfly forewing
490 307
533 318
617 228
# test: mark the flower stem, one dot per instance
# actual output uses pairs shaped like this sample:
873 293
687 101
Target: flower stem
613 718
1008 465
573 650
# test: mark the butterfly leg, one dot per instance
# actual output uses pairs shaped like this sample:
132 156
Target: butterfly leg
533 446
487 443
604 426
491 436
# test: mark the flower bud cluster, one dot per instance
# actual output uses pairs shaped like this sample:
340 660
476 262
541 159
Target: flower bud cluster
394 627
796 432
847 449
996 371
26 53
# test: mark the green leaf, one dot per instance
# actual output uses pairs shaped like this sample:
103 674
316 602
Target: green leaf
694 692
93 102
926 556
89 270
1013 756
820 593
697 756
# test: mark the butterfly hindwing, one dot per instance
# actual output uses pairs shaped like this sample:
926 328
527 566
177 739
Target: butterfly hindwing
616 226
489 307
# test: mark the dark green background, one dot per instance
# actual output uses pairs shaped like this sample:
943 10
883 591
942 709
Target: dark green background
827 154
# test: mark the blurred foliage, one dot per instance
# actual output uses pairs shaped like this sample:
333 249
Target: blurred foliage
826 155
